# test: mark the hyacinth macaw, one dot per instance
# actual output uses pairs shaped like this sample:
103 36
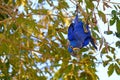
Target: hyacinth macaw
77 37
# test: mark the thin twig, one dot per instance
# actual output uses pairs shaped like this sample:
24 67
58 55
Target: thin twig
112 2
5 20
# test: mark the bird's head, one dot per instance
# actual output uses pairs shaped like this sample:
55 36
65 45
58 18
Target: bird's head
72 50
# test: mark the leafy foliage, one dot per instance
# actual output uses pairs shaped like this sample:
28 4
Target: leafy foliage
33 42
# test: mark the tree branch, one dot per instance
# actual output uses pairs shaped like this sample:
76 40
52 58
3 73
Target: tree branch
112 2
7 10
5 20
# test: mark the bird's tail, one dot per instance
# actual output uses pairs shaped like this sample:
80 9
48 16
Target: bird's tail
93 42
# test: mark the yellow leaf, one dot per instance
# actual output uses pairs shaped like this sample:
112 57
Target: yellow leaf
23 2
66 20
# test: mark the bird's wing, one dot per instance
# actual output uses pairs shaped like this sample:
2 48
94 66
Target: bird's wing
82 36
71 32
79 31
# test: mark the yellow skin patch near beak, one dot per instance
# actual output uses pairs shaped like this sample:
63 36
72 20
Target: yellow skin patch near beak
75 49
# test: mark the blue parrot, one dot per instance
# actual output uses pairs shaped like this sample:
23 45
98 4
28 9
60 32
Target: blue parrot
77 37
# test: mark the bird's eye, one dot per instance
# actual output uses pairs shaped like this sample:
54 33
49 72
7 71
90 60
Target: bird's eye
71 47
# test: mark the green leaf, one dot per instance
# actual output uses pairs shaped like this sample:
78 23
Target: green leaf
3 16
6 1
80 0
84 49
50 31
118 44
117 69
118 26
62 5
14 26
104 51
40 11
108 32
102 15
61 37
112 21
109 57
89 4
96 28
114 12
118 61
105 63
117 34
110 69
68 69
40 1
112 49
